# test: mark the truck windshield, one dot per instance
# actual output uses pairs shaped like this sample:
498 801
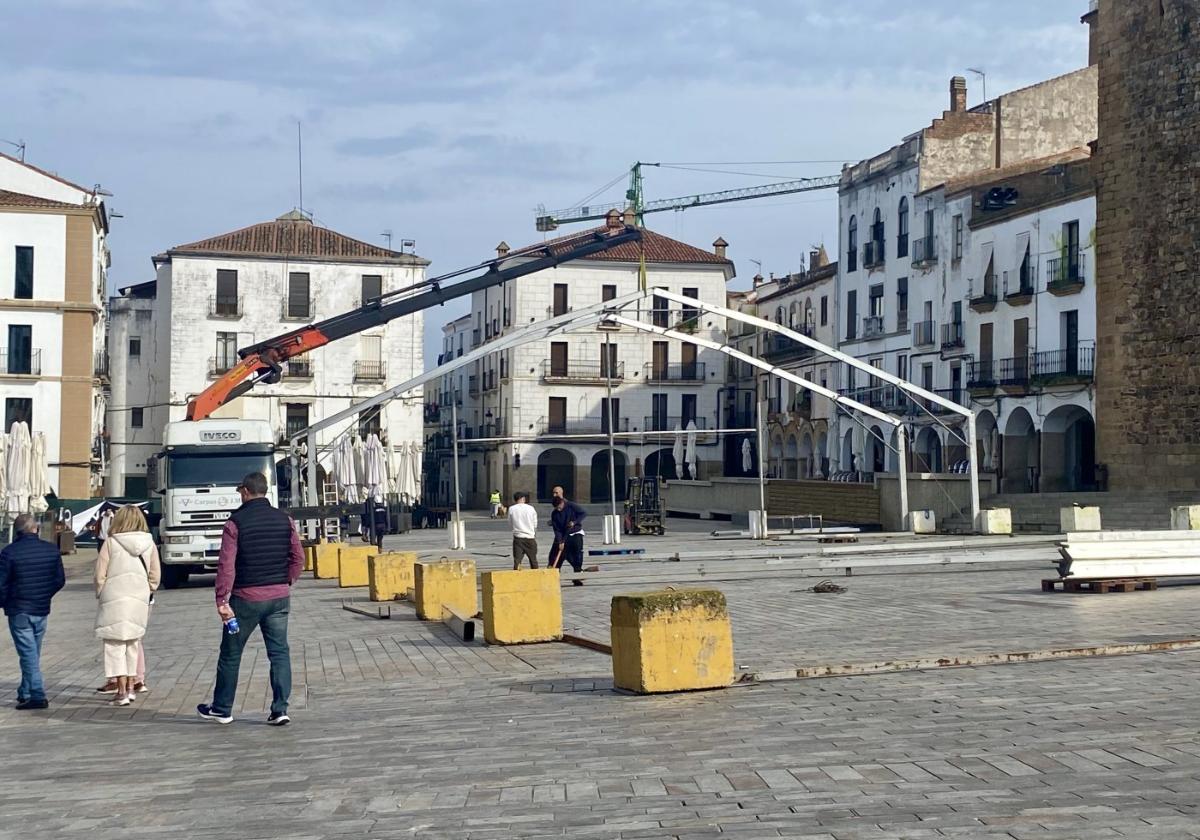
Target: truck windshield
219 470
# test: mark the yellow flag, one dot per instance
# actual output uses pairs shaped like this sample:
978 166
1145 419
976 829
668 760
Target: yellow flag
642 268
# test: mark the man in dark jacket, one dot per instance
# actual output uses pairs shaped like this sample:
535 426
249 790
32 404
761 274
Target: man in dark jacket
567 522
260 559
31 573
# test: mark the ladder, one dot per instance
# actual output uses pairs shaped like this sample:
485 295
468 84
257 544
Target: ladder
332 528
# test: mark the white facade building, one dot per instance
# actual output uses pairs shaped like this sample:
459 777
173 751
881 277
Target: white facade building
547 400
54 263
235 289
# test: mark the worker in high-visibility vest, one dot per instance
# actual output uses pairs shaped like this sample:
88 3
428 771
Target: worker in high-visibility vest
494 499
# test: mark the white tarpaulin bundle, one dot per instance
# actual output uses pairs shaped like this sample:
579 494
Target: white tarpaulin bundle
16 468
690 455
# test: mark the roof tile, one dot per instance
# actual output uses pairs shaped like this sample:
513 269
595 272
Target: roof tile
658 249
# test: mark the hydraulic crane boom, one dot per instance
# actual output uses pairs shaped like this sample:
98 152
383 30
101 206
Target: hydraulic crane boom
263 361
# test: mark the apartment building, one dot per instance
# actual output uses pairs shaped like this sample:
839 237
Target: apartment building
547 400
215 295
54 263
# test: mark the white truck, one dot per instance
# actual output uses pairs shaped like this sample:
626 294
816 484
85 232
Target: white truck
197 473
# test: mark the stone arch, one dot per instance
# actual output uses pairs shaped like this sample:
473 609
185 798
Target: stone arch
928 451
875 452
847 459
808 465
1068 450
555 467
661 463
775 460
1020 454
987 440
822 455
791 457
599 481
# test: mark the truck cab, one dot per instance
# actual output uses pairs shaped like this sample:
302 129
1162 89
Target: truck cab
197 474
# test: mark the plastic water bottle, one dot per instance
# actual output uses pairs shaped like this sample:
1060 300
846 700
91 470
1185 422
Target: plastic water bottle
232 627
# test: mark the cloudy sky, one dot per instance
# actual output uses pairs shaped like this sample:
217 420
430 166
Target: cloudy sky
449 122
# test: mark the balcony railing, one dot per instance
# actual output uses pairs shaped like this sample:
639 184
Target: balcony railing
298 369
580 372
225 306
1065 274
981 374
473 386
488 429
924 250
21 363
685 372
987 297
872 326
662 423
220 365
100 368
924 333
432 413
953 335
778 347
490 380
369 371
297 310
1023 288
873 254
1013 371
1079 361
580 426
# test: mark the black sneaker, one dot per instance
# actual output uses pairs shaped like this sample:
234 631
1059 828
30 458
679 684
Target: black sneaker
206 712
28 705
280 719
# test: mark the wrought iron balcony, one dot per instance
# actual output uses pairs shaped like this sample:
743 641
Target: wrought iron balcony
580 426
580 373
780 348
1079 361
986 299
298 368
924 333
924 251
981 374
1013 372
21 362
918 406
225 306
664 423
100 367
953 335
1064 275
873 254
684 372
370 371
473 386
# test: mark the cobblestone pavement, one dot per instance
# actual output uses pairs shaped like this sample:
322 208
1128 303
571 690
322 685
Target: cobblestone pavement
401 731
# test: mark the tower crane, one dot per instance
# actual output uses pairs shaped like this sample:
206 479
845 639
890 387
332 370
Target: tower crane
634 199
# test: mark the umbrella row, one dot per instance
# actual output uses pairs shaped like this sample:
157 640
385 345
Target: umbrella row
365 469
24 475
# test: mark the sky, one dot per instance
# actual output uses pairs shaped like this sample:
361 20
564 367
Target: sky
448 123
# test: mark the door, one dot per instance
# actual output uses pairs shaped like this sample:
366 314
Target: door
851 313
560 298
1071 243
20 350
558 358
687 410
558 415
660 357
1021 349
1071 340
658 419
956 383
608 361
688 357
227 292
605 415
985 353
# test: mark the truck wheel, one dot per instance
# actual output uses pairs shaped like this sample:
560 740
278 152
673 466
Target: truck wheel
173 577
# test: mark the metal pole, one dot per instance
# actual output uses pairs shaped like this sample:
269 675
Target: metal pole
761 424
902 464
973 460
294 475
612 458
454 438
312 468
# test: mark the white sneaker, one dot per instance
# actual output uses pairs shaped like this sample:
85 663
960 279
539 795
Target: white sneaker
123 701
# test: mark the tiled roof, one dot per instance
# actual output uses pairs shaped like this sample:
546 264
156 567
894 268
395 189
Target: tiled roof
658 249
294 235
16 199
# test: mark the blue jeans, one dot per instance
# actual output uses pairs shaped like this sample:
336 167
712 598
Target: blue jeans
27 632
272 618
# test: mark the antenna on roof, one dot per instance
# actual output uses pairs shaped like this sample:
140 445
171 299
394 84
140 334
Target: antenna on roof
982 74
19 146
387 234
300 161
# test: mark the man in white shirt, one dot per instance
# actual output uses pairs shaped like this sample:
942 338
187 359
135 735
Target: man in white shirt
523 518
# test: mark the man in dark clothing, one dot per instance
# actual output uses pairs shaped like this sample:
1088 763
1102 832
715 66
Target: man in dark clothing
260 559
567 522
31 573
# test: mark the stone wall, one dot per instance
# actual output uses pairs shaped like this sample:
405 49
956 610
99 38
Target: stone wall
1148 238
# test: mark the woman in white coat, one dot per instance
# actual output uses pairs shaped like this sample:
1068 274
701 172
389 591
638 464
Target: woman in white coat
127 572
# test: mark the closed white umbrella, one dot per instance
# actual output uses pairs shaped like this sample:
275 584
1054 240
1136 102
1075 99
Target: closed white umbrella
373 469
677 452
39 475
343 469
3 471
416 464
747 461
690 455
16 467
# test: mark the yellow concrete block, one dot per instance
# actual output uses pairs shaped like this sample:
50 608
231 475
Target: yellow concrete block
1078 518
352 564
671 641
325 560
390 575
310 554
522 606
448 583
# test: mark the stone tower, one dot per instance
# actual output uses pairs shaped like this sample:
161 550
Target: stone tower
1148 243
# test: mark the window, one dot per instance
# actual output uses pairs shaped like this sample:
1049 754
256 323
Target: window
660 359
135 347
560 299
20 350
18 410
687 410
226 302
927 377
606 414
852 245
658 408
372 287
608 360
558 415
135 418
297 418
902 303
876 301
851 314
608 292
877 238
902 366
958 237
558 358
956 311
690 312
298 295
902 225
661 311
226 352
824 310
23 285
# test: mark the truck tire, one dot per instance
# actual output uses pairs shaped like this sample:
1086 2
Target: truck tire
174 577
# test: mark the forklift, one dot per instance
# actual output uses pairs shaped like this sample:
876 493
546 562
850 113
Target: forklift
644 512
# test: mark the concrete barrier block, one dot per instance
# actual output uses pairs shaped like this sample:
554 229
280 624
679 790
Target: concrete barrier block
448 583
522 606
325 560
352 564
390 575
1185 518
310 555
675 640
1076 518
995 521
922 522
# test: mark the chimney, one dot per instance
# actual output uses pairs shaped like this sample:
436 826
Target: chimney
1092 19
502 249
629 217
719 247
612 220
758 280
958 94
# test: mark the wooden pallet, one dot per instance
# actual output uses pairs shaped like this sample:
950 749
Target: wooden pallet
1096 585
